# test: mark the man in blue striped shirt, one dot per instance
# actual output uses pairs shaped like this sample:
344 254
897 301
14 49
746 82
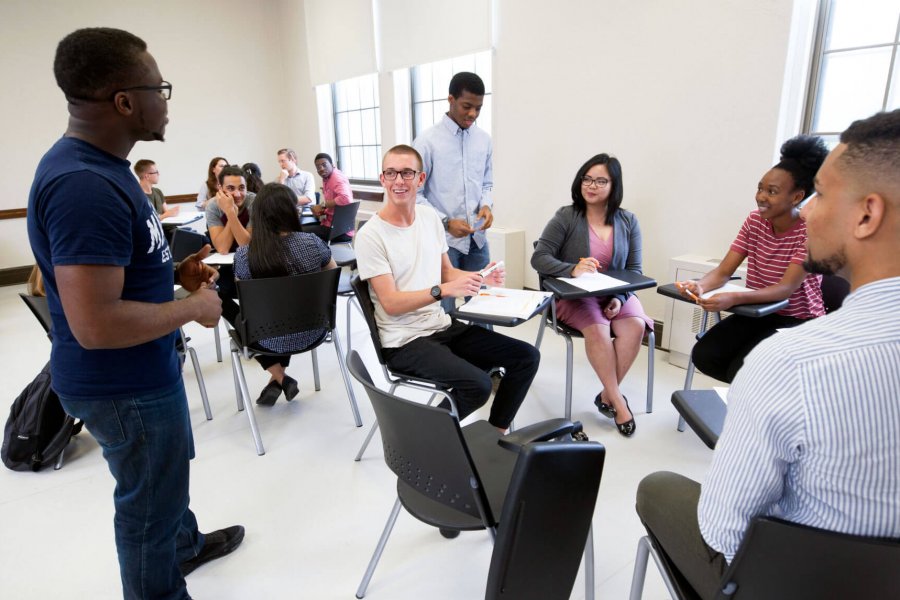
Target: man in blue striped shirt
813 428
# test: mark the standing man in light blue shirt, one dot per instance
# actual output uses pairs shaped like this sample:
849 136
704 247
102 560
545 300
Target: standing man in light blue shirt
457 160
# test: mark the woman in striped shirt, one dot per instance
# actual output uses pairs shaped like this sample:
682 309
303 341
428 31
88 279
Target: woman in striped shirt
773 240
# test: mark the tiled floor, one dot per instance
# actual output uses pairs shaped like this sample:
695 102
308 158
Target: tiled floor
313 515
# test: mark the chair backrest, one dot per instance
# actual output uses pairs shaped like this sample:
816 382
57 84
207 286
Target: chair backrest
834 289
277 306
425 448
40 309
361 289
344 220
186 242
782 560
545 522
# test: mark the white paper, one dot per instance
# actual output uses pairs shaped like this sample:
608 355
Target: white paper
502 302
728 287
183 218
220 259
722 392
594 282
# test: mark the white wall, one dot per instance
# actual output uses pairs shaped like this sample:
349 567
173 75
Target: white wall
685 93
228 61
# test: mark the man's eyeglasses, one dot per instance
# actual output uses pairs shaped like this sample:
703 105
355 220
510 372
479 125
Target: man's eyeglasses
601 182
164 89
391 174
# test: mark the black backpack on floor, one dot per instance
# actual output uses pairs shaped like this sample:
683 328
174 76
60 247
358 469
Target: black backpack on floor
38 429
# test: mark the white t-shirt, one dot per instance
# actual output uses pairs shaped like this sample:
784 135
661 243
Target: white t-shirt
413 256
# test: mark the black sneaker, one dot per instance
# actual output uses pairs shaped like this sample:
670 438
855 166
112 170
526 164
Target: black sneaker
216 545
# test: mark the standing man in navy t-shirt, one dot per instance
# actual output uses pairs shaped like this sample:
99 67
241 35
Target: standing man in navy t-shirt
108 274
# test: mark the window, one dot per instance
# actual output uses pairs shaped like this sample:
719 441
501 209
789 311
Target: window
429 89
855 71
357 127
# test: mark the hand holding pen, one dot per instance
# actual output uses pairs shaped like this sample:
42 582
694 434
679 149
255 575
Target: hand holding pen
588 264
494 274
689 289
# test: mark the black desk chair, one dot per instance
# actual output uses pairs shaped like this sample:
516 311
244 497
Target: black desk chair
278 306
184 243
395 379
568 333
534 490
779 560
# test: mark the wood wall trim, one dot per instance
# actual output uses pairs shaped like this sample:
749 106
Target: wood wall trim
181 199
13 213
366 195
14 275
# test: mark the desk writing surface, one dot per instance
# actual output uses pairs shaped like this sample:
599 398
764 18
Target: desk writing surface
634 281
501 321
745 310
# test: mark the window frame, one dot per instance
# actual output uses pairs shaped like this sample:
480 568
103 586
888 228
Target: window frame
354 178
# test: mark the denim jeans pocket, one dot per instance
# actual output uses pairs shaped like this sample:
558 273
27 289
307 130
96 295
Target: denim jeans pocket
101 417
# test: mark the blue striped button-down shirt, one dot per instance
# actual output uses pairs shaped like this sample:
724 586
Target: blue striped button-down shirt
459 175
813 428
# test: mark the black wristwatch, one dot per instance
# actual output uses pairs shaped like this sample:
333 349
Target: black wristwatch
436 292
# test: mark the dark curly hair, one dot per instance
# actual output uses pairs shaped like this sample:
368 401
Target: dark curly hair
466 82
616 192
253 176
802 156
873 146
92 63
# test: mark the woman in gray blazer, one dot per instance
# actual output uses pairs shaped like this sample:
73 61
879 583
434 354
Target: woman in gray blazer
594 234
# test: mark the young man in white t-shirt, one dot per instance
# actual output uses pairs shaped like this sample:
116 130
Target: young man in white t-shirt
402 253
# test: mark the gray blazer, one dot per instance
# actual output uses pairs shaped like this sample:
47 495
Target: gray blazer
565 240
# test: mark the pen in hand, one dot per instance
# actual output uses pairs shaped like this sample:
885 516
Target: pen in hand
682 287
491 269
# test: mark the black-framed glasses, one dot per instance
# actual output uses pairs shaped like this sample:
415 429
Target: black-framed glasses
391 174
164 89
588 181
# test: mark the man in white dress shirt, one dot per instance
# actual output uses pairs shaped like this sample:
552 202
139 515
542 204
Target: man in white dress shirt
812 434
300 181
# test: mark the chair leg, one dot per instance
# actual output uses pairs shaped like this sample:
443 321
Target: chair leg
218 340
349 340
569 369
370 570
640 569
541 327
342 363
651 352
645 549
589 566
200 382
315 365
248 406
365 443
235 360
62 457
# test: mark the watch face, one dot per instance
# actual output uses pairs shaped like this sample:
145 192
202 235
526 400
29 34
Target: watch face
436 292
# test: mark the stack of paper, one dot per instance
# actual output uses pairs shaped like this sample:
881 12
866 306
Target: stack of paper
220 259
183 218
502 302
728 287
593 282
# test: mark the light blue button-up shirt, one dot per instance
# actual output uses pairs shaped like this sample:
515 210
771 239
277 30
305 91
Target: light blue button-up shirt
459 175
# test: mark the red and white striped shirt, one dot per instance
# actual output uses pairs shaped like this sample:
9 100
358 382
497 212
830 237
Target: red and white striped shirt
768 257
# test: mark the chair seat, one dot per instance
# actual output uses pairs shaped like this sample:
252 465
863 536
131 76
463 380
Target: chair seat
257 350
494 463
344 288
343 255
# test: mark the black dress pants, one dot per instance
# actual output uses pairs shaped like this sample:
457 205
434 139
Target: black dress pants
460 358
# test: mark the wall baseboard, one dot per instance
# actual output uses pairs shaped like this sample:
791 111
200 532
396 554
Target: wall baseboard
14 275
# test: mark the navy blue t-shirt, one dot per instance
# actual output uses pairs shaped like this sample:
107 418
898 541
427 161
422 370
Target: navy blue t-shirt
86 208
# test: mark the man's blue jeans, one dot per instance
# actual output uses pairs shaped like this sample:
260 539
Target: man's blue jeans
475 260
147 443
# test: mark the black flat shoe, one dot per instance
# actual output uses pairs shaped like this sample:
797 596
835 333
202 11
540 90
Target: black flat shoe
269 394
217 544
628 427
290 387
607 410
